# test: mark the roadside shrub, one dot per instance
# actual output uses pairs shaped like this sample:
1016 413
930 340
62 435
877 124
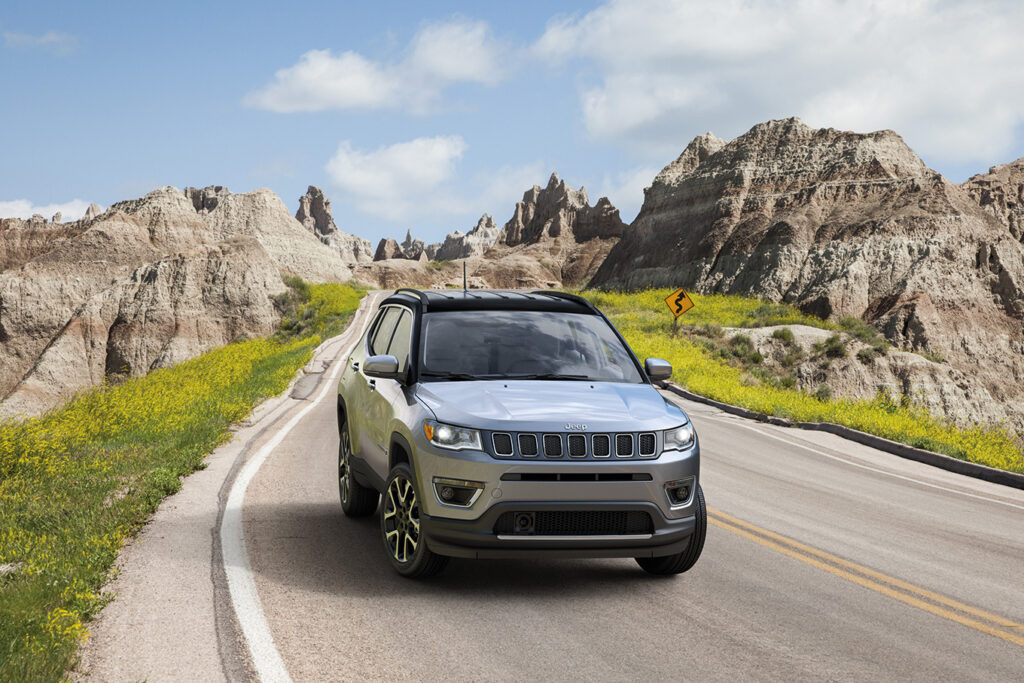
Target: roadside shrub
834 348
823 392
784 334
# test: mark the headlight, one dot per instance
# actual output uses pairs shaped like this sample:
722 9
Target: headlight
680 438
451 437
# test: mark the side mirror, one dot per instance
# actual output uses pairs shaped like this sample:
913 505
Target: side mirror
658 369
383 367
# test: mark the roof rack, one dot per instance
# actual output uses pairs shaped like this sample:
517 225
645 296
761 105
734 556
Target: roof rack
567 296
418 293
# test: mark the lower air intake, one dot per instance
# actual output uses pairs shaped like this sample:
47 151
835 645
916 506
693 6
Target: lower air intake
580 523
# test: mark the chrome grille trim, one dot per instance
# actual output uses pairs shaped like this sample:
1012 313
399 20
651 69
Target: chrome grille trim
528 445
577 445
647 438
504 453
551 443
604 450
620 440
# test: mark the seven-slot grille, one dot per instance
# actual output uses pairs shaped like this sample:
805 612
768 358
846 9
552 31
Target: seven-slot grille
573 445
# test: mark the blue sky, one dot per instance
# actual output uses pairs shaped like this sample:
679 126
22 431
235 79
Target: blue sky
422 116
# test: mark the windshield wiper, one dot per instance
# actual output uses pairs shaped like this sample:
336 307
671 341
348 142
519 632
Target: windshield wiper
449 375
548 375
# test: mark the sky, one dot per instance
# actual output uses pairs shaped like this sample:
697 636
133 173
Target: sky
422 116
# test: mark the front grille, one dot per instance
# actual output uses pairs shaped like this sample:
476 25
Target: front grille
528 445
579 523
503 444
574 445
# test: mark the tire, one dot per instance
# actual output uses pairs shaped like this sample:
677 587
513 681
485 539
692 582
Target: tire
681 562
356 500
400 527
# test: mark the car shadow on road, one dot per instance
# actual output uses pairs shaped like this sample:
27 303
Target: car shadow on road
315 547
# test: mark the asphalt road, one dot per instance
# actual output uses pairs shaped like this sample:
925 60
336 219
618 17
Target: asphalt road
824 559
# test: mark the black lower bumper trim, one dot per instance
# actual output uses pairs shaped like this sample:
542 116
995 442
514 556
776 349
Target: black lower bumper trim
476 538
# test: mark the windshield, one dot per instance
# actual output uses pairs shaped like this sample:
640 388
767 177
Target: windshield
523 345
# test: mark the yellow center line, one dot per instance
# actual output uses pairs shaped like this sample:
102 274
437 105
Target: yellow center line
935 597
809 555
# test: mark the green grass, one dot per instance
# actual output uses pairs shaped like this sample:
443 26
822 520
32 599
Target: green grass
645 321
75 483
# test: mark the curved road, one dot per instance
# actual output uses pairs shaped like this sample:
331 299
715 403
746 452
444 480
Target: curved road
824 559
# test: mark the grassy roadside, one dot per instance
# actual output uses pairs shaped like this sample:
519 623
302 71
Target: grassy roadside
646 323
75 483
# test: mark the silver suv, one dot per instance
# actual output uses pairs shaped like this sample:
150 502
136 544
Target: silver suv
513 424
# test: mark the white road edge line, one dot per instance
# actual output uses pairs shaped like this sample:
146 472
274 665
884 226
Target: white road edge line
245 600
868 467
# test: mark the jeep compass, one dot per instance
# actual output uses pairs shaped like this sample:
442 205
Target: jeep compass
501 424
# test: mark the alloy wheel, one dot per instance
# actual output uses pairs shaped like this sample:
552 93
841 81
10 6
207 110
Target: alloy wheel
344 473
401 519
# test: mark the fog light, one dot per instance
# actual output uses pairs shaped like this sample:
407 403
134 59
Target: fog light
679 491
457 492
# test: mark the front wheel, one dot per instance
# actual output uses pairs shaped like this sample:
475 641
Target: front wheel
400 527
681 562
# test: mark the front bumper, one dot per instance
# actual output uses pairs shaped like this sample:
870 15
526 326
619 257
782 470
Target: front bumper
476 538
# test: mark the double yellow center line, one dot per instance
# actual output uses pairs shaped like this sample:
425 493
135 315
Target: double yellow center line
908 593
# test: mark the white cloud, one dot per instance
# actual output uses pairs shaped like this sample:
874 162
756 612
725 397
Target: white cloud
439 55
60 44
23 208
399 180
942 74
419 180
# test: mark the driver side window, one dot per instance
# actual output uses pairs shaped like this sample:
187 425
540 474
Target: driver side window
382 334
401 340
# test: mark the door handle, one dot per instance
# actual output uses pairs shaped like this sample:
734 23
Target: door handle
373 385
355 365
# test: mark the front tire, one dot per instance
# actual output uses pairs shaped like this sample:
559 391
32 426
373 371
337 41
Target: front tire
356 500
400 527
681 562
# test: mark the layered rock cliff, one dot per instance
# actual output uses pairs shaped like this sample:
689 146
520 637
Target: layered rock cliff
166 276
842 224
458 245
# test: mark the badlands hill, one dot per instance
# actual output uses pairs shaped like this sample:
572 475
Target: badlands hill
554 238
146 284
847 224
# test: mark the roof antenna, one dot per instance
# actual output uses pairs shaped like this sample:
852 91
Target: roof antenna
465 290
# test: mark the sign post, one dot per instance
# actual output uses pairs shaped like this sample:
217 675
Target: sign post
678 302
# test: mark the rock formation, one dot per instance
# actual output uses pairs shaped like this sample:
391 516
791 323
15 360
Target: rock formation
315 214
842 224
554 238
181 271
457 245
93 211
1001 193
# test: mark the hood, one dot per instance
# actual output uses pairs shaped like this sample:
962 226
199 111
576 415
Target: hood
539 405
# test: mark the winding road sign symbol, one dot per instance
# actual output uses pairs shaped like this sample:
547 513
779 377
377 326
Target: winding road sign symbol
679 302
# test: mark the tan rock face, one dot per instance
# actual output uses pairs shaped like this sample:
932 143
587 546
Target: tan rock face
554 238
315 215
1000 192
839 224
182 257
163 313
458 245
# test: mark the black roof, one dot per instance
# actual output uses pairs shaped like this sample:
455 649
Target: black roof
492 300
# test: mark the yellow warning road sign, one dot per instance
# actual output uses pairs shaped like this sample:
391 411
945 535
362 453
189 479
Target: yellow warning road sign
679 302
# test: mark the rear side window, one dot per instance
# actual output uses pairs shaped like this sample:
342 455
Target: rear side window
401 340
382 334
